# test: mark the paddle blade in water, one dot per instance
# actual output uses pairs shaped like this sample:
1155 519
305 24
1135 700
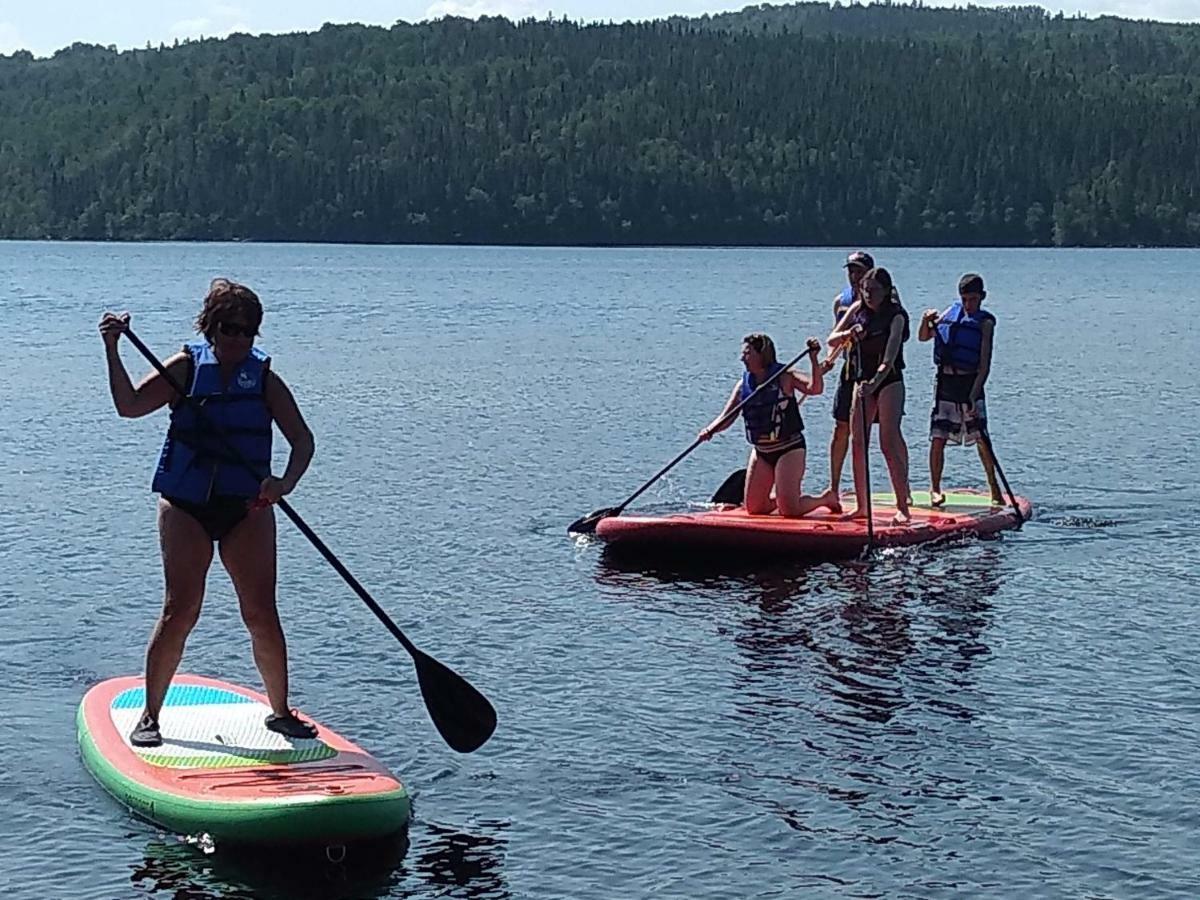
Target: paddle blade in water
587 525
733 490
463 716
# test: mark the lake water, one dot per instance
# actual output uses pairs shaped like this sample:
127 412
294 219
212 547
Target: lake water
1006 718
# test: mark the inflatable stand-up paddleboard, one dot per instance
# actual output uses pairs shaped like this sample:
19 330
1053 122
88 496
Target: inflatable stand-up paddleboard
819 535
221 772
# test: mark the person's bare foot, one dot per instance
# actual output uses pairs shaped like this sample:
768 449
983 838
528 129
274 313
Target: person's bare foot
902 517
857 514
832 501
997 500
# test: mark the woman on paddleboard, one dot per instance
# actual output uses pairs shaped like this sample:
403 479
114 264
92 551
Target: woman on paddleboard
207 497
857 265
773 428
962 351
878 326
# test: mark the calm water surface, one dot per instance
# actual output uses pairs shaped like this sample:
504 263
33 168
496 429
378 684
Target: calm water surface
1007 718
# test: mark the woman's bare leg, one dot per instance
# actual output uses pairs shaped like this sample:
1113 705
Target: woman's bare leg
248 553
186 555
890 402
760 478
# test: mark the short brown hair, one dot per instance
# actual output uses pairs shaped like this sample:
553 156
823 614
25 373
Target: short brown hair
227 297
970 284
763 345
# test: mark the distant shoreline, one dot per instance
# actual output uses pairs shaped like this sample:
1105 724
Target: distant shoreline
583 246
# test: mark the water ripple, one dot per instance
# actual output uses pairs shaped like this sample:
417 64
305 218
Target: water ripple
1015 717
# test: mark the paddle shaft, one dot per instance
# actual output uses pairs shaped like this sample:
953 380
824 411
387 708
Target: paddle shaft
987 442
732 414
866 449
283 504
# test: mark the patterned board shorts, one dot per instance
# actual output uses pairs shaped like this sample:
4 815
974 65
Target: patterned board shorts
950 422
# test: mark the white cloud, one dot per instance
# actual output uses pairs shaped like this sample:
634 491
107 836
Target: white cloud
220 20
191 27
511 9
1162 10
10 38
1159 10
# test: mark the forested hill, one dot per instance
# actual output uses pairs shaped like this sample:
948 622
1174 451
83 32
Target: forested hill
777 125
904 20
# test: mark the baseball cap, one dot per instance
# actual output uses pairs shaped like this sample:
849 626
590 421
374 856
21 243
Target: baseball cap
859 258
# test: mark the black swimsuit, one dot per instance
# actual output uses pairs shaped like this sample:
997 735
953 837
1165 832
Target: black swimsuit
770 457
877 332
219 516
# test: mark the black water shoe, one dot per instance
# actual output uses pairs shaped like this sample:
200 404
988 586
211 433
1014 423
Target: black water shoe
291 726
146 734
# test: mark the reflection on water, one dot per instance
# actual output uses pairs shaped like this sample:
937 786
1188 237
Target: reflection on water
174 868
846 671
471 864
1015 718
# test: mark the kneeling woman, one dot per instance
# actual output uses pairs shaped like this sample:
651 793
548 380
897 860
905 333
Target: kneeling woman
773 428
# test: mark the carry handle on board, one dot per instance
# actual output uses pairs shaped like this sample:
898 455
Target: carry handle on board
462 715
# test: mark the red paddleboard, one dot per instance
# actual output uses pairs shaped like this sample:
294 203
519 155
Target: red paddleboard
819 535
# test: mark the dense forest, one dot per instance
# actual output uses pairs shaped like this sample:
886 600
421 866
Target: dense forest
800 124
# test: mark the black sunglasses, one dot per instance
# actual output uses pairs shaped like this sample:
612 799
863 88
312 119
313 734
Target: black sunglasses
232 329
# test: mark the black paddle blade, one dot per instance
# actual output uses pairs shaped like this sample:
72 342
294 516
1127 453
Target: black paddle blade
733 490
463 716
587 525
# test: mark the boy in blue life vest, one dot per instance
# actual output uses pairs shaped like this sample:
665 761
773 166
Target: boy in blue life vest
962 352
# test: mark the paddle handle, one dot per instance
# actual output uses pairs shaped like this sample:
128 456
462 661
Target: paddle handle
732 414
283 504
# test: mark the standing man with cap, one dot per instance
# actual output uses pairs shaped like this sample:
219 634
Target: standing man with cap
857 264
962 352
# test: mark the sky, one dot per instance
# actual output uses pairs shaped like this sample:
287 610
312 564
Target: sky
45 26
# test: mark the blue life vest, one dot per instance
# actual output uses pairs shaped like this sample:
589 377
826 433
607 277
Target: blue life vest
844 301
195 464
958 341
772 418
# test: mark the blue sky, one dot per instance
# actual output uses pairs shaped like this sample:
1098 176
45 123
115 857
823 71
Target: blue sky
45 26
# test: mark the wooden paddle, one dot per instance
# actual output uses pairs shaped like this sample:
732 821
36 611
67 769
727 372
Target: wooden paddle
587 524
461 714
